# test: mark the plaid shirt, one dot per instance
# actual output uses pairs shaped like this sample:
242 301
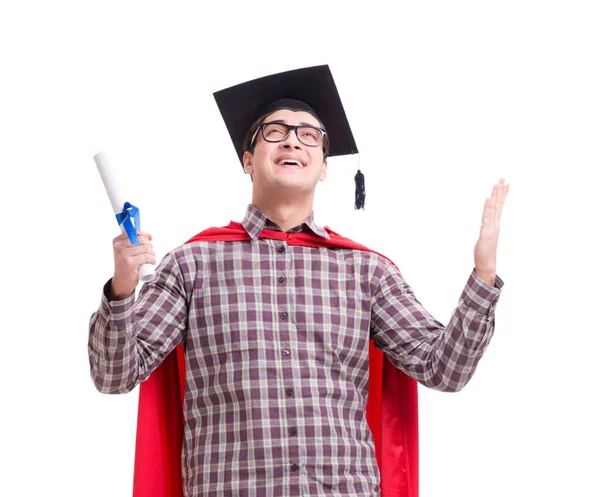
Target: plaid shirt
276 339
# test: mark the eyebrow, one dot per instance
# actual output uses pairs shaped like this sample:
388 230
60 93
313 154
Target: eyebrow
282 121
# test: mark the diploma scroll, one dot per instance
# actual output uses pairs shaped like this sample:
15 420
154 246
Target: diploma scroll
121 207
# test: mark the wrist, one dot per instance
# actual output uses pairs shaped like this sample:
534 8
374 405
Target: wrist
489 276
119 291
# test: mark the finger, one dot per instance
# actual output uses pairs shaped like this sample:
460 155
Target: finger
123 241
140 259
496 192
134 250
496 200
495 196
494 188
502 197
144 239
144 234
502 190
492 206
120 238
490 202
485 218
120 243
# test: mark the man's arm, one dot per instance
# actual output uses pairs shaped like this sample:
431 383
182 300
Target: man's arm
129 339
441 357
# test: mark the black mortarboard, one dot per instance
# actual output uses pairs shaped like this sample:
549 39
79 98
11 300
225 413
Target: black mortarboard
310 89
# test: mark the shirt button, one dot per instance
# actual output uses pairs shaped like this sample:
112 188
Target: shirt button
294 467
281 279
289 392
293 432
281 249
285 352
284 315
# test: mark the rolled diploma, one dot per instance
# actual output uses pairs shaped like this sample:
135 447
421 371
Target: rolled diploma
117 200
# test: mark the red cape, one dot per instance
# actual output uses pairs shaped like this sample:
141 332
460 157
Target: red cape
392 411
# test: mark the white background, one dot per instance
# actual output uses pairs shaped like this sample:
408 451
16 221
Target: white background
444 98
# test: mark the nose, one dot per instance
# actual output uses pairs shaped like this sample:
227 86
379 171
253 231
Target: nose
291 141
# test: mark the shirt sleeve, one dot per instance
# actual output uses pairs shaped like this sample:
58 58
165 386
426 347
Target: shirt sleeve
128 339
440 357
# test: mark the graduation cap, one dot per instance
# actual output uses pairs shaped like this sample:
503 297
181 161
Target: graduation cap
309 89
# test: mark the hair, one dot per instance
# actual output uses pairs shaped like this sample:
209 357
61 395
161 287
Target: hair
260 120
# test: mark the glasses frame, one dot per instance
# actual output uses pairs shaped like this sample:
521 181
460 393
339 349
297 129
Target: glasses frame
290 127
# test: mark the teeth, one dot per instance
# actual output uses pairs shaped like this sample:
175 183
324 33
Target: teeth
289 162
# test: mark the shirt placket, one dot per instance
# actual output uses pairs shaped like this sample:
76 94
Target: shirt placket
288 356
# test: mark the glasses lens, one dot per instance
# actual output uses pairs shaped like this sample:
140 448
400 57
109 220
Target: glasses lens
275 132
309 136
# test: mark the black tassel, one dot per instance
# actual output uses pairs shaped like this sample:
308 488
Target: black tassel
359 193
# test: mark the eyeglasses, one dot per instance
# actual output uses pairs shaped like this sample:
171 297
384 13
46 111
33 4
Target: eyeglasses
310 136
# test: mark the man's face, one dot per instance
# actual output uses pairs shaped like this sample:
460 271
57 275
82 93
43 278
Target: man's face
288 164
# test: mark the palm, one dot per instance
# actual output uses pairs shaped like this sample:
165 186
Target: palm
487 244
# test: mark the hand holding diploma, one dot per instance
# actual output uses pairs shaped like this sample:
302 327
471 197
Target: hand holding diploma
128 260
133 251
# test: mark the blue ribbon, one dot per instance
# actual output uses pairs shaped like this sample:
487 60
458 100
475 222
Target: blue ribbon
124 219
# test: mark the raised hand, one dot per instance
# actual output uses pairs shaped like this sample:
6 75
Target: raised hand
128 259
487 244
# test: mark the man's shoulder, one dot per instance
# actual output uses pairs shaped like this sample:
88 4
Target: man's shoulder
207 241
342 241
232 232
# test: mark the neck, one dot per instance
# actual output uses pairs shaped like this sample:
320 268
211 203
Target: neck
288 213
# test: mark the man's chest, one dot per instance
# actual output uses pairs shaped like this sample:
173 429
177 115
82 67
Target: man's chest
271 302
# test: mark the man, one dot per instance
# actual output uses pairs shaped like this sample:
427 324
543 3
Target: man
276 314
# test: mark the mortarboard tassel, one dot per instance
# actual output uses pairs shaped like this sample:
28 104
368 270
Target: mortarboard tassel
359 193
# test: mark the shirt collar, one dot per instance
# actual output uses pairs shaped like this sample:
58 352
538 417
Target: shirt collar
255 221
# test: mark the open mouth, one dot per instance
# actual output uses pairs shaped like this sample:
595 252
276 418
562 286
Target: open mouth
289 162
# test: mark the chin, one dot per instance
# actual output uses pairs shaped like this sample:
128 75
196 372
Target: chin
295 186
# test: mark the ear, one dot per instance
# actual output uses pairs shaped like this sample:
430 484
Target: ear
247 160
323 171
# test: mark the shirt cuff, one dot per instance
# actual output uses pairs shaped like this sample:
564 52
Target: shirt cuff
116 308
481 296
